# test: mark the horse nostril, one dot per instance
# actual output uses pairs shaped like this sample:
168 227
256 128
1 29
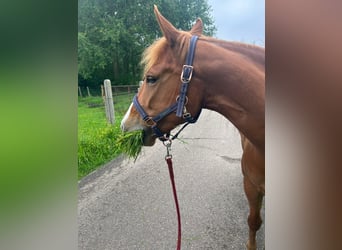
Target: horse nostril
122 126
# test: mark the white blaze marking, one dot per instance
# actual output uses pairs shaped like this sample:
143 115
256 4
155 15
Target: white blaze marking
124 120
122 126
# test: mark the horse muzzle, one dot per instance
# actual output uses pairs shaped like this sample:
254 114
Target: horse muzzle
132 121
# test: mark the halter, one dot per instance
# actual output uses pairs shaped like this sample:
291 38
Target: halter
181 100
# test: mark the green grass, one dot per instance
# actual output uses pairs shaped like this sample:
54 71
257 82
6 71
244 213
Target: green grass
98 141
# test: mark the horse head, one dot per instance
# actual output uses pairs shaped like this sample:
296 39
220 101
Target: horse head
163 66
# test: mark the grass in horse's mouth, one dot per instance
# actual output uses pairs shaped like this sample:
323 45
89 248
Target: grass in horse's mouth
131 143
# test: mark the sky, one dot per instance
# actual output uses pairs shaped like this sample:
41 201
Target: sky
240 20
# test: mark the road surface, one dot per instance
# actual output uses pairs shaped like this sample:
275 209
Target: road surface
127 205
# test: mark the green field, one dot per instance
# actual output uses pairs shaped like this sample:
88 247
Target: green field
98 140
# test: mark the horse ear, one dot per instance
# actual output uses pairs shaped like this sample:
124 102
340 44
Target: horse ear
169 31
197 28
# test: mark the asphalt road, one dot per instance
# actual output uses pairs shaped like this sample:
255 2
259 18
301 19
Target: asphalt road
127 205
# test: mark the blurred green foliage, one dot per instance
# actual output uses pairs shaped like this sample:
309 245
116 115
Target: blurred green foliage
113 34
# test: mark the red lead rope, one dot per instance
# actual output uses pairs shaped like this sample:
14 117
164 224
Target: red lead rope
168 159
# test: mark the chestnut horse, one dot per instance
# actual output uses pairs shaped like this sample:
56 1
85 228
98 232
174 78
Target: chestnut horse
227 77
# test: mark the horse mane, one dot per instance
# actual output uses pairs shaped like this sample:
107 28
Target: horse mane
254 52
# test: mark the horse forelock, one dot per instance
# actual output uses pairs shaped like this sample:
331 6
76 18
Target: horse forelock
158 49
152 53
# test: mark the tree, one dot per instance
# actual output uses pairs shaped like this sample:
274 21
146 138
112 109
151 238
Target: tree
113 34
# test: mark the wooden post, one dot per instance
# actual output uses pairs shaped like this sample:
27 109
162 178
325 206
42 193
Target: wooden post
79 91
102 91
109 105
88 91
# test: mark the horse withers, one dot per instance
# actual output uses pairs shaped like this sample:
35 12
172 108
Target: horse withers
227 77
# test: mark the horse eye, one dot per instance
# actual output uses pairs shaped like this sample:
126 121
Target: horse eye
151 79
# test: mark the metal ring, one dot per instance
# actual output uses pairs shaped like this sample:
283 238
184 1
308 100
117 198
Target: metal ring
167 142
186 99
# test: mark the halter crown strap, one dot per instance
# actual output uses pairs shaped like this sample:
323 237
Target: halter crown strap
191 54
186 75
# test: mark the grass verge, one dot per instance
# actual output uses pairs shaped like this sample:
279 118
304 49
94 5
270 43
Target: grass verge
100 142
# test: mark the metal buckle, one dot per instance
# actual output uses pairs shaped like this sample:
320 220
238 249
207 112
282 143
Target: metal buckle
149 121
188 79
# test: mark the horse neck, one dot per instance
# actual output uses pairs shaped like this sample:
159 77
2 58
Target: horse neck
253 52
234 86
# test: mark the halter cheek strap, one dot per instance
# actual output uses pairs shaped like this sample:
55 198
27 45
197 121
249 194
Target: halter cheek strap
186 75
179 106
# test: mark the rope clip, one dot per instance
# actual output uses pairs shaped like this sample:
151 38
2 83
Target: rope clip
167 143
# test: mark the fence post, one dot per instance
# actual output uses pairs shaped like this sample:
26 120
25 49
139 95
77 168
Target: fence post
109 105
88 91
79 91
102 91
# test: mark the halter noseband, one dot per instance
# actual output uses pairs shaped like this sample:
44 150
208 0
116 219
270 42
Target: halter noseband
179 105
